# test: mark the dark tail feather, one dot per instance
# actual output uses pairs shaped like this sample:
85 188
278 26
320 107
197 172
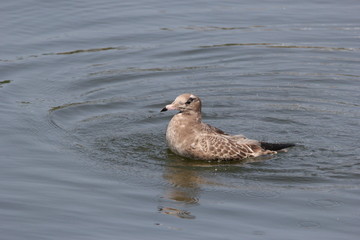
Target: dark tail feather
275 146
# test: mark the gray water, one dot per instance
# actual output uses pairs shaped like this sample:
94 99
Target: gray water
82 148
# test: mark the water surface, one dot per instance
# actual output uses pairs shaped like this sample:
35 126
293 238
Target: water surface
83 154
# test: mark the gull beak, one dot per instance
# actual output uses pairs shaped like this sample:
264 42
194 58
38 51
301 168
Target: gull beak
169 107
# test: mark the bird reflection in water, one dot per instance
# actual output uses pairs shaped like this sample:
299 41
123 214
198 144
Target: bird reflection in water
183 189
185 180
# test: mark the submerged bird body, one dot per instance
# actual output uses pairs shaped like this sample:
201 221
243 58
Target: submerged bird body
188 136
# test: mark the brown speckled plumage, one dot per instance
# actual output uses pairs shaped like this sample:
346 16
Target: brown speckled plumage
188 136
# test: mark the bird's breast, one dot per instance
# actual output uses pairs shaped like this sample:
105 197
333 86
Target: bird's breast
179 136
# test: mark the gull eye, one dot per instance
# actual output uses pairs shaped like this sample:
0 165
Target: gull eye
190 100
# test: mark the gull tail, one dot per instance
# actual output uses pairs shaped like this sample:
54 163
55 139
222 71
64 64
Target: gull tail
275 146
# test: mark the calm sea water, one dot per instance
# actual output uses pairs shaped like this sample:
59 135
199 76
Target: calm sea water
82 148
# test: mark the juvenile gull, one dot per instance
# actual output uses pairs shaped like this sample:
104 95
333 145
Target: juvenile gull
188 136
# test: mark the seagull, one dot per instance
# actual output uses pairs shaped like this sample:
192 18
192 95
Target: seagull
189 137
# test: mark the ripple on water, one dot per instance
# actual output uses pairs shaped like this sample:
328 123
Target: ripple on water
325 203
309 224
129 131
116 134
4 82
